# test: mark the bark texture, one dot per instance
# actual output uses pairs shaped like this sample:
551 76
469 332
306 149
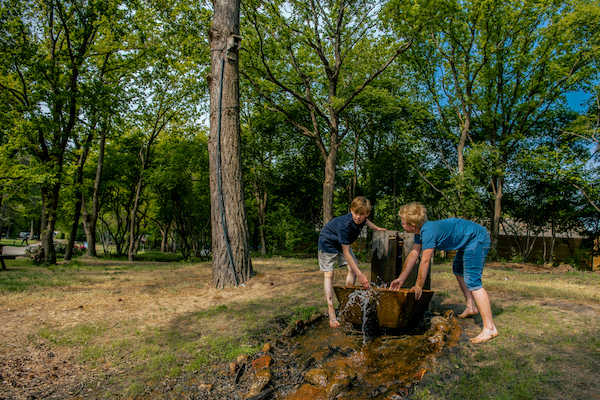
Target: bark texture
231 256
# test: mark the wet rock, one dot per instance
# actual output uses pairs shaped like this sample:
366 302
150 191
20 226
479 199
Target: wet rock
437 321
261 363
266 348
317 377
261 380
308 391
262 376
338 385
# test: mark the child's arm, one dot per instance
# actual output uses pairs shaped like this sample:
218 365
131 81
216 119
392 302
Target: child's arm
362 279
423 269
374 227
411 260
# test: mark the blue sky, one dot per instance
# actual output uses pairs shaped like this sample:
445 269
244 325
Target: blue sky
578 100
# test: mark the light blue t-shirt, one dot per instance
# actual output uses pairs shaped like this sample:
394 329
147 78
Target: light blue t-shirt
450 234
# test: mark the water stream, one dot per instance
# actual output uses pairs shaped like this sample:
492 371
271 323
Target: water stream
349 364
367 300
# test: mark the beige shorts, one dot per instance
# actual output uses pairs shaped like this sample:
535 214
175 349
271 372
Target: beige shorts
329 261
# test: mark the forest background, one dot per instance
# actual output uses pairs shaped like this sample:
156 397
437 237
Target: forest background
489 110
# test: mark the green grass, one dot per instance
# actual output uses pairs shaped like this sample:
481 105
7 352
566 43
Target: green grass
548 348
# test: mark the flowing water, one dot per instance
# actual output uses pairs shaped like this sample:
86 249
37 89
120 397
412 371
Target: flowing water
367 300
349 364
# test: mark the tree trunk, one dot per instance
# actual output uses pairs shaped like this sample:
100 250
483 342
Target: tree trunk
261 201
132 218
78 196
50 196
497 212
329 183
231 256
164 233
91 218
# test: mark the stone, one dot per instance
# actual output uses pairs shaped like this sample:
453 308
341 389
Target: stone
232 367
261 380
316 376
261 363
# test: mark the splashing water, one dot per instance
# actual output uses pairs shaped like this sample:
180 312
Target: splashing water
367 300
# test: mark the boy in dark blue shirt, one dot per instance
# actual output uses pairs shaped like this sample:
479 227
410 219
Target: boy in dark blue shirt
334 249
472 243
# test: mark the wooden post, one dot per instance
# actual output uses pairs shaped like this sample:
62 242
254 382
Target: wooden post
390 249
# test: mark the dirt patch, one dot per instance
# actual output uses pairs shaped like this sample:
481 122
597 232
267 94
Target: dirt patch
532 268
38 372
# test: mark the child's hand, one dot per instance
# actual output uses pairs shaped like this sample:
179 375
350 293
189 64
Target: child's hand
417 290
396 284
334 323
362 279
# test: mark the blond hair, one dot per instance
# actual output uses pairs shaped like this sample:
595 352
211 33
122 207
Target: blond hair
361 205
413 213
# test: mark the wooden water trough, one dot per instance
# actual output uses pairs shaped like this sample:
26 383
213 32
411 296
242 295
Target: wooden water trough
395 309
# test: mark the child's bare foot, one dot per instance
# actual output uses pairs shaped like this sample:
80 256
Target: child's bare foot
485 335
333 323
469 312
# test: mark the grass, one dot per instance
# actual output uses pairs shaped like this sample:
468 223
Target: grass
548 348
131 326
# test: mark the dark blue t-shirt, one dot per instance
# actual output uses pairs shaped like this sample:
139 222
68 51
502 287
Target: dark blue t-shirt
449 234
340 230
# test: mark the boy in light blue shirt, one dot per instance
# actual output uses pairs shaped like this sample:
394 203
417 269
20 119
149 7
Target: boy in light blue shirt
472 243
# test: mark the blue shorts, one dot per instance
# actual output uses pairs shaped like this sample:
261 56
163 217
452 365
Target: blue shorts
469 262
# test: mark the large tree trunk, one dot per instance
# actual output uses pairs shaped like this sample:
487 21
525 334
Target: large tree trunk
231 256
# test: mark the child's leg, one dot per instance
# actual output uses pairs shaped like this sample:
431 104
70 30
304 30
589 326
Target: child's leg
328 285
474 260
458 269
327 263
471 308
489 330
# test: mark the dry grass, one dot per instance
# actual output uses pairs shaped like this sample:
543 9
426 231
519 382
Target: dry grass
106 329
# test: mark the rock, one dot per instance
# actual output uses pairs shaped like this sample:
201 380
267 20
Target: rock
262 379
266 348
205 386
233 367
261 363
338 385
316 376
